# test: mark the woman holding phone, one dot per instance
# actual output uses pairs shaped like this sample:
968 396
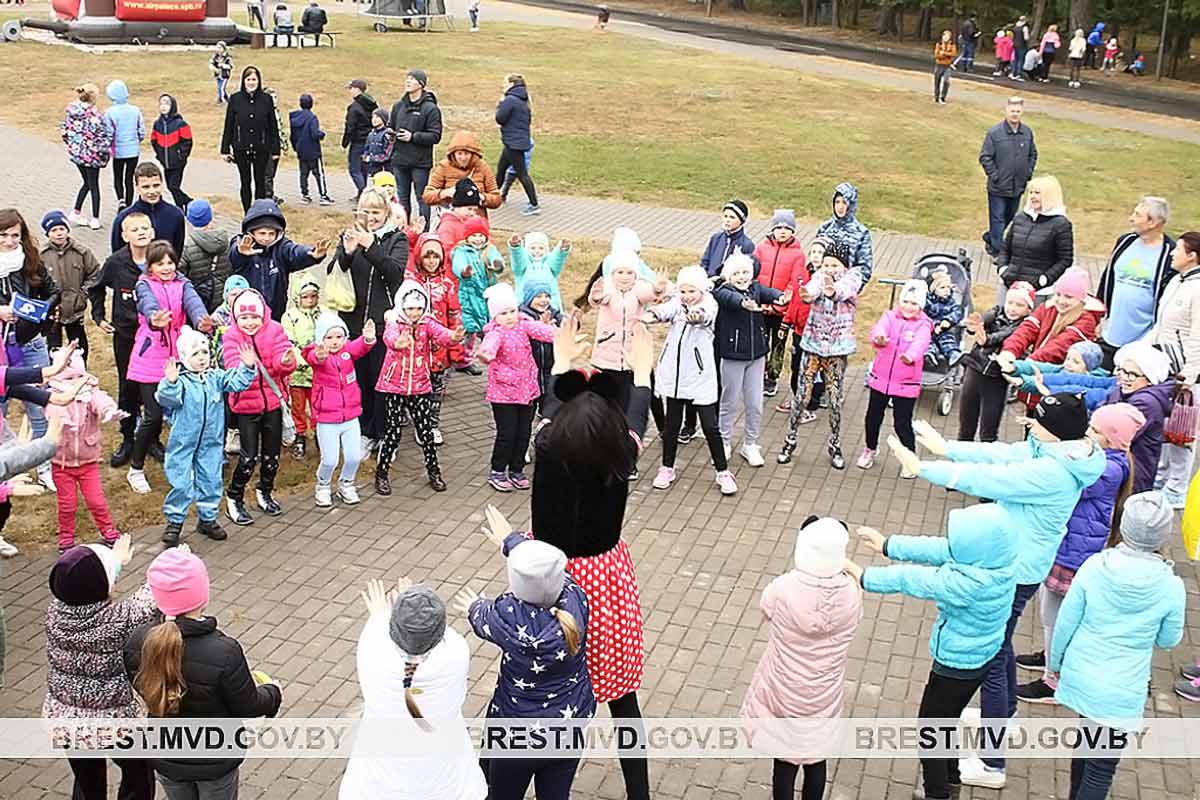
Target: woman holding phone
375 253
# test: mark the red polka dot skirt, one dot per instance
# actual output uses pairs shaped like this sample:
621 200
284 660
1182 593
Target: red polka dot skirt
615 655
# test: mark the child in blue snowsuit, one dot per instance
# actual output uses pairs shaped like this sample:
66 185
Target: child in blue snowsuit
193 398
946 312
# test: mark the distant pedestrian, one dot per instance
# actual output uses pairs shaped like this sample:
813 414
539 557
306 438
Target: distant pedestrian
354 135
1051 43
1004 52
89 146
602 15
943 60
251 136
127 129
1077 51
171 139
222 68
1020 37
473 12
256 9
1095 43
1008 157
306 136
314 19
1111 51
514 117
968 38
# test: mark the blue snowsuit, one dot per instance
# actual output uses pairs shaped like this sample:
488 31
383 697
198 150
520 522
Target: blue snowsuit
947 343
195 405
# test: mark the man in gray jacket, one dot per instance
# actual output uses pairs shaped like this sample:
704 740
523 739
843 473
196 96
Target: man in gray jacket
1008 156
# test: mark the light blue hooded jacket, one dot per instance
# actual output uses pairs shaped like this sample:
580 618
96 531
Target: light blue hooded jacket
1121 605
1038 483
124 122
970 574
849 231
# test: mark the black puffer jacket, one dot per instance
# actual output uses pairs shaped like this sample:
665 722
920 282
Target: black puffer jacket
423 119
250 123
998 327
1037 251
120 274
219 684
358 120
377 273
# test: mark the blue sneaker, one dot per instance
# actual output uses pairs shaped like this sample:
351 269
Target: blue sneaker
530 210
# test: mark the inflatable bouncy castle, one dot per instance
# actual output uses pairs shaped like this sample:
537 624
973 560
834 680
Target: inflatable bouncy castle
141 21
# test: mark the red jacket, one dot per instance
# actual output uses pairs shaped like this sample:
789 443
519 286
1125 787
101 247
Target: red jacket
1032 338
407 371
270 345
444 306
783 267
336 396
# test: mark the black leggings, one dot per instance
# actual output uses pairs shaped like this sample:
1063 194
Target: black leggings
174 179
514 421
74 333
636 771
91 185
152 424
257 429
902 416
944 698
420 409
980 406
91 779
783 781
123 179
516 159
508 778
252 166
708 423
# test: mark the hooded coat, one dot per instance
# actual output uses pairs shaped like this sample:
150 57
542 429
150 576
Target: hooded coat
515 118
1121 605
971 575
126 127
1155 402
442 290
300 325
687 368
306 134
250 124
195 407
850 232
267 271
270 344
171 138
72 268
471 287
1096 37
376 272
618 313
512 372
336 395
741 334
86 135
1091 521
80 440
545 269
204 261
446 174
407 371
153 346
423 119
358 120
907 337
1037 483
1037 249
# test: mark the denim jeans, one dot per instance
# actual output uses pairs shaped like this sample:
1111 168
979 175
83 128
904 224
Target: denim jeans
37 354
358 172
1001 211
998 695
1018 61
222 788
411 180
968 54
1092 777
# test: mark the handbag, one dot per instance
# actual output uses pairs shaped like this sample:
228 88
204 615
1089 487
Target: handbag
1181 426
289 424
14 355
339 290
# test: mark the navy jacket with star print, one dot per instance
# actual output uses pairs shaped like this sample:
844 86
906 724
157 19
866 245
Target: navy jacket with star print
538 676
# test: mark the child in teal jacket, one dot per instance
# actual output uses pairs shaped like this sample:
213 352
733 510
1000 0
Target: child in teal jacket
476 263
534 258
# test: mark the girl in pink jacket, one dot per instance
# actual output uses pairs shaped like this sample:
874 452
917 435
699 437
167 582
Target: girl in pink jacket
900 339
410 333
512 383
257 410
166 301
814 612
76 463
337 403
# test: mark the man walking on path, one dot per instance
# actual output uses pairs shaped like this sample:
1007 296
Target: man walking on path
417 121
1008 156
1020 35
968 36
354 136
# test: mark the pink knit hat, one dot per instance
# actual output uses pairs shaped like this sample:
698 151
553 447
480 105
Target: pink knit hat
1074 283
249 302
1119 423
178 582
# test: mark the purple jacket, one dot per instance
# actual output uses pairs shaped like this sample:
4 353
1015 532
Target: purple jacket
1155 402
1088 527
905 337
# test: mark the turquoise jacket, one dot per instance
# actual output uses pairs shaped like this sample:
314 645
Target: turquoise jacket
1038 483
1094 386
970 575
1121 605
549 267
470 289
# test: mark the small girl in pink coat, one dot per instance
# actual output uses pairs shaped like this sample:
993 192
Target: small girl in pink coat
814 612
337 404
76 463
512 383
900 339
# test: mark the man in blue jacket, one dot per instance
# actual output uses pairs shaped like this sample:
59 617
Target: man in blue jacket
730 239
1008 157
306 139
166 218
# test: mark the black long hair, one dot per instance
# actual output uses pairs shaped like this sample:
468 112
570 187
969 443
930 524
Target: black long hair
590 435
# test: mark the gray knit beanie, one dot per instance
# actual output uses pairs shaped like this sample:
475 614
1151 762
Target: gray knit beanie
418 621
535 572
1147 521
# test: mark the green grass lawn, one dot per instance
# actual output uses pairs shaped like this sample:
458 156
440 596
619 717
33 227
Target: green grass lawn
618 116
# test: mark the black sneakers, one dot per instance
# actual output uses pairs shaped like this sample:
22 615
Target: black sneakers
122 454
1036 692
212 529
1034 662
171 533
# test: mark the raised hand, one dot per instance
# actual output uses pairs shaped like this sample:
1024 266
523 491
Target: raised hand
123 549
880 341
205 325
368 330
62 357
349 240
568 343
929 438
907 458
496 528
750 305
458 334
661 282
247 355
288 359
403 584
247 246
320 249
784 298
375 598
547 317
641 355
160 319
564 245
872 537
171 370
1039 381
463 600
514 241
321 352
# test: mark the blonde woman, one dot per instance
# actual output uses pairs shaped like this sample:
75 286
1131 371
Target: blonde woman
1039 244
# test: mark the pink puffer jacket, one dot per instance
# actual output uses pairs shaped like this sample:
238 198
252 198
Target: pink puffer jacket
512 372
336 396
617 313
407 371
152 347
907 337
81 439
271 344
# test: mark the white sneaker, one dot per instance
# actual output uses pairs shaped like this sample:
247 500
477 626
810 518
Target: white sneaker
971 716
664 478
94 223
867 459
368 446
437 437
323 496
137 481
726 482
233 443
906 474
75 217
973 772
7 549
348 493
753 454
46 477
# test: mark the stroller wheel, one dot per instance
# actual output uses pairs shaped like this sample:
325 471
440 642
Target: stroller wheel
945 403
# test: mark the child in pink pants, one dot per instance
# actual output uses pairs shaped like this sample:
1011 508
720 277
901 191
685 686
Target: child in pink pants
76 463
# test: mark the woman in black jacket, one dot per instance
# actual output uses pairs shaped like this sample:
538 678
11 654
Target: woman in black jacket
185 667
375 253
1039 245
251 136
514 117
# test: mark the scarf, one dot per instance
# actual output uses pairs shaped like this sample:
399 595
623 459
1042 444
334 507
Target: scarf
11 261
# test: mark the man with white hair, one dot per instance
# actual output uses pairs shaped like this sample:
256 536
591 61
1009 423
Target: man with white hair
1135 277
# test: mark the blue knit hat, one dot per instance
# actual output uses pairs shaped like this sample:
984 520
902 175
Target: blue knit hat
533 286
199 213
53 219
1090 352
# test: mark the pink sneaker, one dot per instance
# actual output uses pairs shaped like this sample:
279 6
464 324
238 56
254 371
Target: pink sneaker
664 478
867 459
726 482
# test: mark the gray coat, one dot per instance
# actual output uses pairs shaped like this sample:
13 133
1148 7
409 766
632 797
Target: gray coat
205 262
687 368
1008 157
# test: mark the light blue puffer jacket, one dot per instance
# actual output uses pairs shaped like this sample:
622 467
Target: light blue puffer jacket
1121 605
124 122
1038 483
971 576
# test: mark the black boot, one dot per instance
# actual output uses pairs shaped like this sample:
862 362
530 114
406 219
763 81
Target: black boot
298 447
212 529
383 486
170 535
785 452
235 507
156 451
122 454
435 480
267 503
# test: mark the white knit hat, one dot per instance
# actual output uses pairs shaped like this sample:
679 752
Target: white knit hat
537 237
411 294
694 276
625 239
821 547
535 572
735 262
189 343
1154 363
916 290
500 298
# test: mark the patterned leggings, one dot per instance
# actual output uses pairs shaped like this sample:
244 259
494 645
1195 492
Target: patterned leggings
421 410
438 380
833 369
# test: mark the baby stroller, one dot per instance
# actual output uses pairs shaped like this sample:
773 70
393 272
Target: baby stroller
944 379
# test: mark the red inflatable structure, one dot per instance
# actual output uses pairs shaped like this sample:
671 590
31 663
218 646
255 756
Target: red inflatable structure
141 21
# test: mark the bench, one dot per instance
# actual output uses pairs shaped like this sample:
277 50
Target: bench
317 37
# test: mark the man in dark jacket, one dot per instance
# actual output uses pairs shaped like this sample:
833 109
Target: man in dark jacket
1008 157
172 142
968 35
515 121
306 139
417 121
314 19
1021 36
167 219
354 135
730 239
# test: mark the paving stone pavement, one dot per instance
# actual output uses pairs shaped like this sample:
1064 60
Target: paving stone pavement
288 588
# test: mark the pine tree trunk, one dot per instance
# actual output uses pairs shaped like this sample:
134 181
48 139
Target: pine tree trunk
925 24
1039 13
854 9
887 21
835 14
1082 12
